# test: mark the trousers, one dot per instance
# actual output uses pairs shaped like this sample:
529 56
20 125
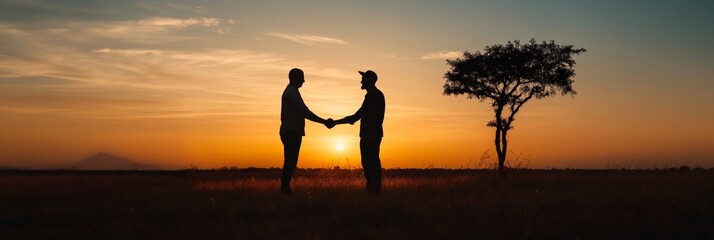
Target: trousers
372 165
291 151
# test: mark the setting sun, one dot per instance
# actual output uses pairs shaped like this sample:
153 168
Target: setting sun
340 147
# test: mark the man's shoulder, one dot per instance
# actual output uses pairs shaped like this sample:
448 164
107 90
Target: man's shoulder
378 93
290 90
375 92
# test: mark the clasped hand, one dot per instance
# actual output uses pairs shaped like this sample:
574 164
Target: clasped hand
330 123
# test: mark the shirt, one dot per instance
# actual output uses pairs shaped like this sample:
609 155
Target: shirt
293 112
371 113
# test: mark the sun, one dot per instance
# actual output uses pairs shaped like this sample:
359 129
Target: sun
340 147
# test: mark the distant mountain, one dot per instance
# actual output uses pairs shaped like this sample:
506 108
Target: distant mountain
104 161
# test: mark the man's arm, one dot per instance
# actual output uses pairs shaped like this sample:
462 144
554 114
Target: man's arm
349 119
313 117
355 117
309 115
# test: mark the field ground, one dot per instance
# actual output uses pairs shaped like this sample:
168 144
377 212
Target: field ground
331 204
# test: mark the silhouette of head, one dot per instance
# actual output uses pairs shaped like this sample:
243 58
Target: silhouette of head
369 79
297 77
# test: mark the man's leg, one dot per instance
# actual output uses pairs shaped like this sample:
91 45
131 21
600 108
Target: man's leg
377 165
369 150
366 164
291 150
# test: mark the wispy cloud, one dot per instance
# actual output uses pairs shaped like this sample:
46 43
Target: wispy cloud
178 22
393 57
307 39
177 66
114 78
141 28
112 81
197 9
441 55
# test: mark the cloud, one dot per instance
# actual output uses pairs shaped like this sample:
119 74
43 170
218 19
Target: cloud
154 32
131 52
153 71
145 84
441 55
141 28
307 39
111 81
393 57
178 22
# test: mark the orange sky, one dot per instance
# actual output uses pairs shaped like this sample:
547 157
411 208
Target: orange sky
177 84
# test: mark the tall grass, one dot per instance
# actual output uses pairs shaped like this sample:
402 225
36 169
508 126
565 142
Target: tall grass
332 204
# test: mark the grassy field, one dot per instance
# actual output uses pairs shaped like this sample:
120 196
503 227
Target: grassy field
332 204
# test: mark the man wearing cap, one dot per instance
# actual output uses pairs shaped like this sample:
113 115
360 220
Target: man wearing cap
370 132
293 113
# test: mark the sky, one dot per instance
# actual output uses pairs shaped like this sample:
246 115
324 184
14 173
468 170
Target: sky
198 83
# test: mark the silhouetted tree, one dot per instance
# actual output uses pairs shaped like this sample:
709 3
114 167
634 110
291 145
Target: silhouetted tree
508 76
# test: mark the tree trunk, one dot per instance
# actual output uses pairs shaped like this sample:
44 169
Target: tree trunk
500 139
500 151
498 148
501 147
504 150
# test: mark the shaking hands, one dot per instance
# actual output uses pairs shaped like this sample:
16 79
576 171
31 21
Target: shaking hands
329 123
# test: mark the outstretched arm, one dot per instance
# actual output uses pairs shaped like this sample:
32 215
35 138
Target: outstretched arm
350 119
354 117
309 115
345 120
329 123
313 117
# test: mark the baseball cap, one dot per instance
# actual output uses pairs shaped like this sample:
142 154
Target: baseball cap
369 74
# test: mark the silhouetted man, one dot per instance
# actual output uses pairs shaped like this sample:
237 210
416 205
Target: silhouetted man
370 131
293 113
